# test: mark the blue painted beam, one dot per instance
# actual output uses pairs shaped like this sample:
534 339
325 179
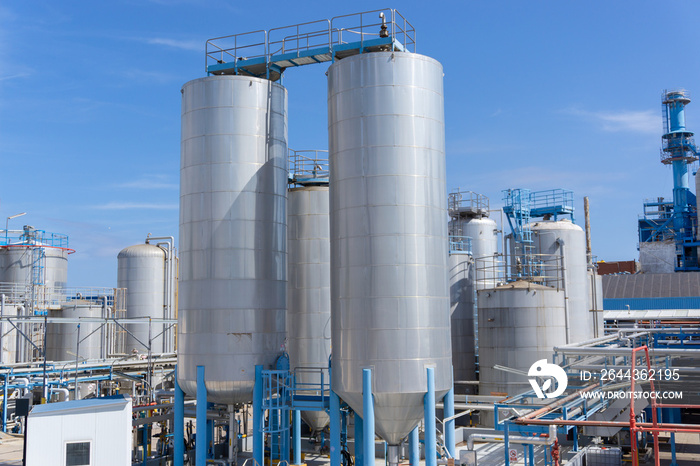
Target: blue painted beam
414 447
201 444
178 425
368 417
429 414
335 429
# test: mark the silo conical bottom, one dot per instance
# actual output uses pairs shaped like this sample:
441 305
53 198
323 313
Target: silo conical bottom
316 420
395 414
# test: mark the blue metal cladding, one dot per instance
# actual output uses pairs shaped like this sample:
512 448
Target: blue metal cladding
620 304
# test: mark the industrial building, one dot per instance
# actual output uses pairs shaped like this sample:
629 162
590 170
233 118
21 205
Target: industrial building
342 303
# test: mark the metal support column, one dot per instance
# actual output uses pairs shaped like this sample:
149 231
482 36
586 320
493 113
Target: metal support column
448 412
430 427
673 449
368 411
201 443
359 441
285 435
506 443
335 428
258 439
414 447
296 433
178 425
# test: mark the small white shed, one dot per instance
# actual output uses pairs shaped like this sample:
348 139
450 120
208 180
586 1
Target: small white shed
92 432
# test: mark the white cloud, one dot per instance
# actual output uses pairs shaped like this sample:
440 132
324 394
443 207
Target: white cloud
149 182
646 121
135 206
192 45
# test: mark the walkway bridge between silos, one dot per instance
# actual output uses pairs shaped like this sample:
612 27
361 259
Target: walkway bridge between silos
267 53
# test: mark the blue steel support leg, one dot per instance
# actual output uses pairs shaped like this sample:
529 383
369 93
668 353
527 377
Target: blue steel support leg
575 448
673 449
178 425
273 439
201 444
359 441
335 429
258 439
368 411
285 435
429 413
210 435
449 411
414 447
296 432
532 454
144 444
505 443
4 405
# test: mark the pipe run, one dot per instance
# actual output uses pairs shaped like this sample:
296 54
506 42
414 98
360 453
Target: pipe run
520 439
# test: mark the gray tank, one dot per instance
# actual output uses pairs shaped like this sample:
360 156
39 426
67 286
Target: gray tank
141 270
482 231
550 237
9 337
389 249
462 306
233 244
16 266
519 324
62 339
309 290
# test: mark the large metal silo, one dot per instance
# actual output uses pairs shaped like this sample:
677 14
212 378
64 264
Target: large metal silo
141 270
309 290
65 341
18 264
389 248
233 245
519 324
564 237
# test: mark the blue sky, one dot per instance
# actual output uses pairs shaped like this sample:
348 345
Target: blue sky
539 94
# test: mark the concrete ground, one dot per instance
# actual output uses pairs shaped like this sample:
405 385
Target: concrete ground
11 449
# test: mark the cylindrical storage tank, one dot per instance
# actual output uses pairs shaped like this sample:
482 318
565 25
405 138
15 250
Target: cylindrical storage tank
141 270
62 338
233 244
595 301
16 266
563 236
389 249
482 231
309 290
462 306
519 324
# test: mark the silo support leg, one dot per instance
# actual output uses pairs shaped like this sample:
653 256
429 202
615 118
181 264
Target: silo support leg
448 412
258 439
296 434
430 427
179 425
414 447
335 429
359 441
368 411
201 443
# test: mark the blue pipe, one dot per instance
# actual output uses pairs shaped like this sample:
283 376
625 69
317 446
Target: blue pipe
359 441
258 439
368 416
335 429
429 413
414 447
4 405
449 411
179 425
201 443
296 433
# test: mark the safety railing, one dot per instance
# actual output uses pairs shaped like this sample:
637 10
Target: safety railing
551 198
32 237
460 244
466 201
236 47
374 24
358 28
299 37
542 269
308 166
